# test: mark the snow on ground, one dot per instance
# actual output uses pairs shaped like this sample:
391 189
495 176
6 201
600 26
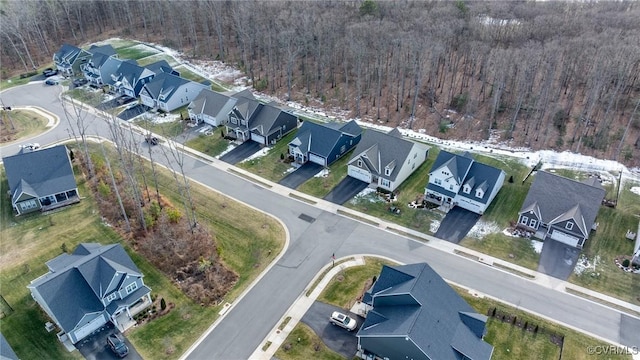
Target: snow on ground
482 228
262 152
230 147
323 173
635 190
508 233
367 194
584 264
537 246
434 226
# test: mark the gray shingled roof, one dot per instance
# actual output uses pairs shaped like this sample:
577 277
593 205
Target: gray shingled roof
212 103
382 149
320 139
44 172
6 352
430 314
75 283
102 49
67 53
131 71
555 195
165 84
110 66
264 121
458 165
483 176
160 66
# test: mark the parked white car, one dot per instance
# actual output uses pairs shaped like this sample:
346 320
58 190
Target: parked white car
31 146
342 320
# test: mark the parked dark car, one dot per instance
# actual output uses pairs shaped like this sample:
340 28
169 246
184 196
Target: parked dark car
52 81
49 72
152 140
79 82
124 99
117 345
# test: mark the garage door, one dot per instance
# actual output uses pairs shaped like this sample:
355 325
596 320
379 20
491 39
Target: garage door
257 138
92 326
564 238
316 159
358 173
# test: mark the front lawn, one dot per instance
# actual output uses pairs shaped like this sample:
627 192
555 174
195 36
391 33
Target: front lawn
516 250
19 124
321 186
303 343
169 129
271 166
212 145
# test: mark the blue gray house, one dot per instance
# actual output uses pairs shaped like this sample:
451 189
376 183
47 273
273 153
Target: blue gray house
416 315
211 108
69 59
459 180
323 144
86 289
162 66
6 352
167 92
130 78
101 65
41 180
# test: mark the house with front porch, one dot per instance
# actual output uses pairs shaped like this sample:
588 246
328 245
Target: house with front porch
69 59
561 209
41 179
385 160
211 108
94 285
325 143
130 78
459 180
414 314
167 92
103 63
635 257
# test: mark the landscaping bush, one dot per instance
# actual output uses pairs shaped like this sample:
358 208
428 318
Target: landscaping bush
626 262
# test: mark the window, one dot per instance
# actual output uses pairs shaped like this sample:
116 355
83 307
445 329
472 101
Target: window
29 204
451 187
387 171
524 220
131 287
359 163
386 183
415 155
343 148
112 296
533 223
466 189
479 193
569 225
437 181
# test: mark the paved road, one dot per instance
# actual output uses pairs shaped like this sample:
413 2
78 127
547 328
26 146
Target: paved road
312 243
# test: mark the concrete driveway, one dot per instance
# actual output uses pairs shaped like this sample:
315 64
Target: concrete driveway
557 259
336 338
300 175
241 152
133 112
94 347
455 226
345 190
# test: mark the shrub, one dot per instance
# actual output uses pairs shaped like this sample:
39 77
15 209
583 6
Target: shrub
163 304
626 263
174 215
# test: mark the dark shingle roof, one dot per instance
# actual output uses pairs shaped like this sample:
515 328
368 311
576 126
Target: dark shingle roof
413 303
44 172
382 149
160 66
165 84
555 195
6 352
131 71
212 103
458 165
482 176
76 283
320 139
67 53
102 49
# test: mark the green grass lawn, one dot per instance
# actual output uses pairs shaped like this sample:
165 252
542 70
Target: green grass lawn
212 145
20 124
303 343
246 246
321 186
91 98
121 43
169 129
135 52
157 57
190 75
270 166
512 249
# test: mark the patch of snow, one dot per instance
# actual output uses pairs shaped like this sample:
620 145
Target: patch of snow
230 147
165 118
262 152
635 190
507 232
434 226
323 173
290 170
482 228
584 264
537 246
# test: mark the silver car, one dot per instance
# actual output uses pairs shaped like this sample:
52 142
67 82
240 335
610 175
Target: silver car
342 320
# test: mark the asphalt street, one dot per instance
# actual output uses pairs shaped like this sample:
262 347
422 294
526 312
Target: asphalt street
311 245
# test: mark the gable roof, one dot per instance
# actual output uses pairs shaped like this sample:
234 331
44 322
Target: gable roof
161 66
458 165
67 54
102 49
413 303
379 150
6 352
212 103
108 68
40 173
132 72
76 283
267 117
165 84
559 198
320 139
480 176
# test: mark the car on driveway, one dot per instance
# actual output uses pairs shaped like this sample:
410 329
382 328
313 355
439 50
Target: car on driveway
124 99
79 82
342 320
117 345
49 72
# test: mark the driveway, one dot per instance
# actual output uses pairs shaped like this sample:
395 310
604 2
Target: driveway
108 105
133 112
336 338
557 259
300 175
345 190
94 347
241 152
455 226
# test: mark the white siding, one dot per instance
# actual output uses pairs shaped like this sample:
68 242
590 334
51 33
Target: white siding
317 159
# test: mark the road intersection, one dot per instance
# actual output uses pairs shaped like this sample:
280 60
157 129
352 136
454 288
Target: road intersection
316 231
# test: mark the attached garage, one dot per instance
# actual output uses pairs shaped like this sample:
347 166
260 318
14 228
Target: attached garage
317 159
258 138
87 329
358 173
564 238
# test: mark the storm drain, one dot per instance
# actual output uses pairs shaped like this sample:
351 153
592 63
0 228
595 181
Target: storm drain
306 218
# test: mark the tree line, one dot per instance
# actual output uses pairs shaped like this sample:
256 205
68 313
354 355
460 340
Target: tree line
560 75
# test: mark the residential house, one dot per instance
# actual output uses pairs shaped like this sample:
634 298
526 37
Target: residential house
130 78
268 124
167 92
459 180
41 179
162 66
324 143
102 64
561 209
635 258
244 108
211 108
69 59
94 285
416 315
385 159
6 352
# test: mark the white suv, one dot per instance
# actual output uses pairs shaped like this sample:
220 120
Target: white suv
343 320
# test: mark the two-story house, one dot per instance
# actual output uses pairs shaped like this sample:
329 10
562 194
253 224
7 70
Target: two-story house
130 78
415 314
385 159
167 92
323 144
561 209
101 65
86 289
69 59
459 180
211 108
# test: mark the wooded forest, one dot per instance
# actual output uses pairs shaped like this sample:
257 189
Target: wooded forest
543 75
